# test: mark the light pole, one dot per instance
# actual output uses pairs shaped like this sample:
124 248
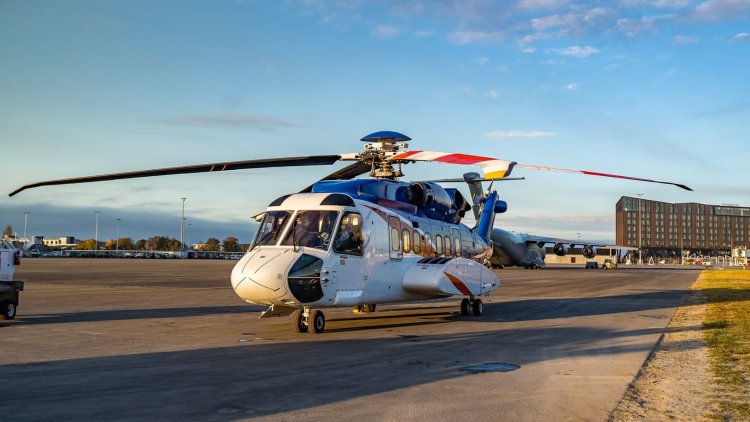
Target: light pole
579 235
25 222
640 257
96 232
117 236
182 227
187 234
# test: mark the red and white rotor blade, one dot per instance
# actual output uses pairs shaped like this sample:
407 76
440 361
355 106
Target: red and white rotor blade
493 168
595 173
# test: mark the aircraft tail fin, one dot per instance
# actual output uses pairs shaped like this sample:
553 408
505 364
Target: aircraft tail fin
486 219
475 188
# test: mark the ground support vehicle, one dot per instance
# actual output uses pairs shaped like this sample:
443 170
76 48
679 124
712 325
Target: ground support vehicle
609 264
9 288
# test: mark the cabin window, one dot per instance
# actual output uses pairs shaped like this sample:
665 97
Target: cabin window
312 229
438 245
416 242
429 249
447 246
395 239
271 227
406 239
457 246
349 237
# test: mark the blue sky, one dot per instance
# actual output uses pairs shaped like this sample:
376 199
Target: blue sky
649 88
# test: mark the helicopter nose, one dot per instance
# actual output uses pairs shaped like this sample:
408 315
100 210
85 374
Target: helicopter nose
261 275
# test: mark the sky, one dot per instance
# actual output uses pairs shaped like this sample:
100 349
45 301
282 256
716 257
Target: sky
648 88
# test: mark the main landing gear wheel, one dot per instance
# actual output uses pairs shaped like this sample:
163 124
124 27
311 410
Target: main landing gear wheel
318 322
476 307
465 305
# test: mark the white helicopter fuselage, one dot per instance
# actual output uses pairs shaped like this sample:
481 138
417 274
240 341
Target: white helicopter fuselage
399 258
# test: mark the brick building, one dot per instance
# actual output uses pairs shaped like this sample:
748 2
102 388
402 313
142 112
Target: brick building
667 229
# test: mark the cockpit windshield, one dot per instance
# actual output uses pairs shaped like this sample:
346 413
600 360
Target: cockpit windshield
312 229
271 227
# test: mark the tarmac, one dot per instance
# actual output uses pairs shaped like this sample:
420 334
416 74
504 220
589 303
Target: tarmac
121 339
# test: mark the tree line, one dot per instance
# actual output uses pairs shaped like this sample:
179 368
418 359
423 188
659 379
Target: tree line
154 243
160 243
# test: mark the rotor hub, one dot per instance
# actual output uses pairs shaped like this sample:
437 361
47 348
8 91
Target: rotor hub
381 146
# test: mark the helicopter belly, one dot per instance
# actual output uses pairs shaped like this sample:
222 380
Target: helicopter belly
458 276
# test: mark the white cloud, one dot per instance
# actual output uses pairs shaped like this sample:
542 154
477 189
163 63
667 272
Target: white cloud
742 36
468 37
571 87
528 50
683 40
713 10
507 134
657 4
571 22
541 4
424 34
483 61
386 31
491 94
577 51
548 22
635 27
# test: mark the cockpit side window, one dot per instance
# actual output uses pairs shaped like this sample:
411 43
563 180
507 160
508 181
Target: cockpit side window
349 237
271 227
312 229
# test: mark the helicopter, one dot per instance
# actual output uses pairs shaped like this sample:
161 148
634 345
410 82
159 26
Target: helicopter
358 242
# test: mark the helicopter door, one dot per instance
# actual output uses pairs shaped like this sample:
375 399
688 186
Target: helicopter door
457 246
394 227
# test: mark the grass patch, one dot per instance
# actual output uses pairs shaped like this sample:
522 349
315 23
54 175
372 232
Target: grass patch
726 327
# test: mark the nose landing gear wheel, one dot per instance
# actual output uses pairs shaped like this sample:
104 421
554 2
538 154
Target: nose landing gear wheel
318 322
299 322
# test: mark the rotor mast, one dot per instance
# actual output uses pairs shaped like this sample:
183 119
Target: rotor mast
381 146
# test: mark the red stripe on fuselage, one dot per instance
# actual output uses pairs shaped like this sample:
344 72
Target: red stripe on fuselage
458 284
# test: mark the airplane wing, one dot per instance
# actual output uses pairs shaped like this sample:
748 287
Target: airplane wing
578 242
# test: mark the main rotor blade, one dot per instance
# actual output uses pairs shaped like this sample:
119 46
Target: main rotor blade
314 160
493 168
504 179
594 173
349 172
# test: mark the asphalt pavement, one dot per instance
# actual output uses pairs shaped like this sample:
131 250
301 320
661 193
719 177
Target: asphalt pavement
117 339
